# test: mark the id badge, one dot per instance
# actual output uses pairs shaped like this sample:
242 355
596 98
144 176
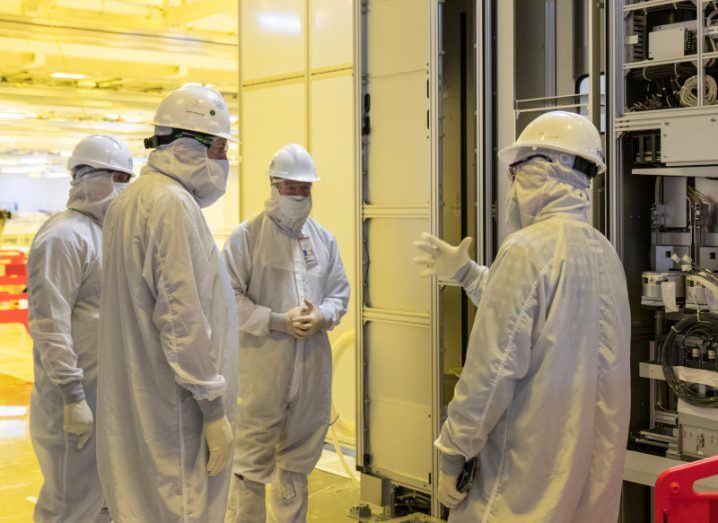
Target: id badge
306 245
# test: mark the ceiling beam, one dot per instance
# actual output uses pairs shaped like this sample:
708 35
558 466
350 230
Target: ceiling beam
33 6
154 20
199 9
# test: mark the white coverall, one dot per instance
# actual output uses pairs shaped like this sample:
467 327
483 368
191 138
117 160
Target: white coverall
64 269
284 399
544 397
168 336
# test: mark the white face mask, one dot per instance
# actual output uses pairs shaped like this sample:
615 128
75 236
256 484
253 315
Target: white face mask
186 160
118 188
217 174
288 212
295 207
513 213
92 193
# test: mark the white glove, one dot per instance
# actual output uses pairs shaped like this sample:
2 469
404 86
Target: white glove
442 259
284 322
448 495
219 438
77 419
309 322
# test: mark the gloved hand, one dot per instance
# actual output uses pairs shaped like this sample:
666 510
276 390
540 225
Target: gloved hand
442 259
284 322
218 434
77 419
448 495
309 322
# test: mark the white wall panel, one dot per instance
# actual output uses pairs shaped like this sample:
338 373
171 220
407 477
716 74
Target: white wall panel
332 131
393 283
332 41
223 215
272 36
398 46
272 117
399 359
399 158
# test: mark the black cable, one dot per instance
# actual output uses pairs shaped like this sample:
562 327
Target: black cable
703 326
652 73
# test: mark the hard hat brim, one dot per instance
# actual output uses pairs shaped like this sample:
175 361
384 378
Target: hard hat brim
512 153
305 179
226 136
98 165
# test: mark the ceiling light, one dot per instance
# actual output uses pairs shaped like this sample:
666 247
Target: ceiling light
69 76
12 411
33 161
12 116
289 23
56 174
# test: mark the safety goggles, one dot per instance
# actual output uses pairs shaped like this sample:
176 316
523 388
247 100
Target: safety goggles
581 165
513 169
209 141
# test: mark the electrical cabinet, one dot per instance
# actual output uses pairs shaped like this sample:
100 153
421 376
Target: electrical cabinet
663 220
664 51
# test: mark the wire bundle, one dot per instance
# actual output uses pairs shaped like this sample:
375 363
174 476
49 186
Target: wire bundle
703 326
663 85
652 73
689 91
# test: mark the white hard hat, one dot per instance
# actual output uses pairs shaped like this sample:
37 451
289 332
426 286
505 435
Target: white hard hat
560 131
293 162
102 152
195 107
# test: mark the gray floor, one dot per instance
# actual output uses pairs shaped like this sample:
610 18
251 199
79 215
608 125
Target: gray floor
330 498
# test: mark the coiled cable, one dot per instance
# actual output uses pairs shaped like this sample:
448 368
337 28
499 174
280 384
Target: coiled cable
689 91
703 326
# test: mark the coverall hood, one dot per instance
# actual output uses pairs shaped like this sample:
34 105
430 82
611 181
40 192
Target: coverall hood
186 161
543 188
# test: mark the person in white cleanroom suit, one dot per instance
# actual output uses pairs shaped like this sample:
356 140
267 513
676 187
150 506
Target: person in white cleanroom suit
291 289
64 267
544 396
168 327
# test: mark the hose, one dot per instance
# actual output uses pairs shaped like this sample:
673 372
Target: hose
346 340
342 459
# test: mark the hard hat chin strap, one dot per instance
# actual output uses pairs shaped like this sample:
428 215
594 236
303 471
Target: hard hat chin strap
153 142
582 165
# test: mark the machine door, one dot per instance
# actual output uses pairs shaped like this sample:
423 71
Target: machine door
398 353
